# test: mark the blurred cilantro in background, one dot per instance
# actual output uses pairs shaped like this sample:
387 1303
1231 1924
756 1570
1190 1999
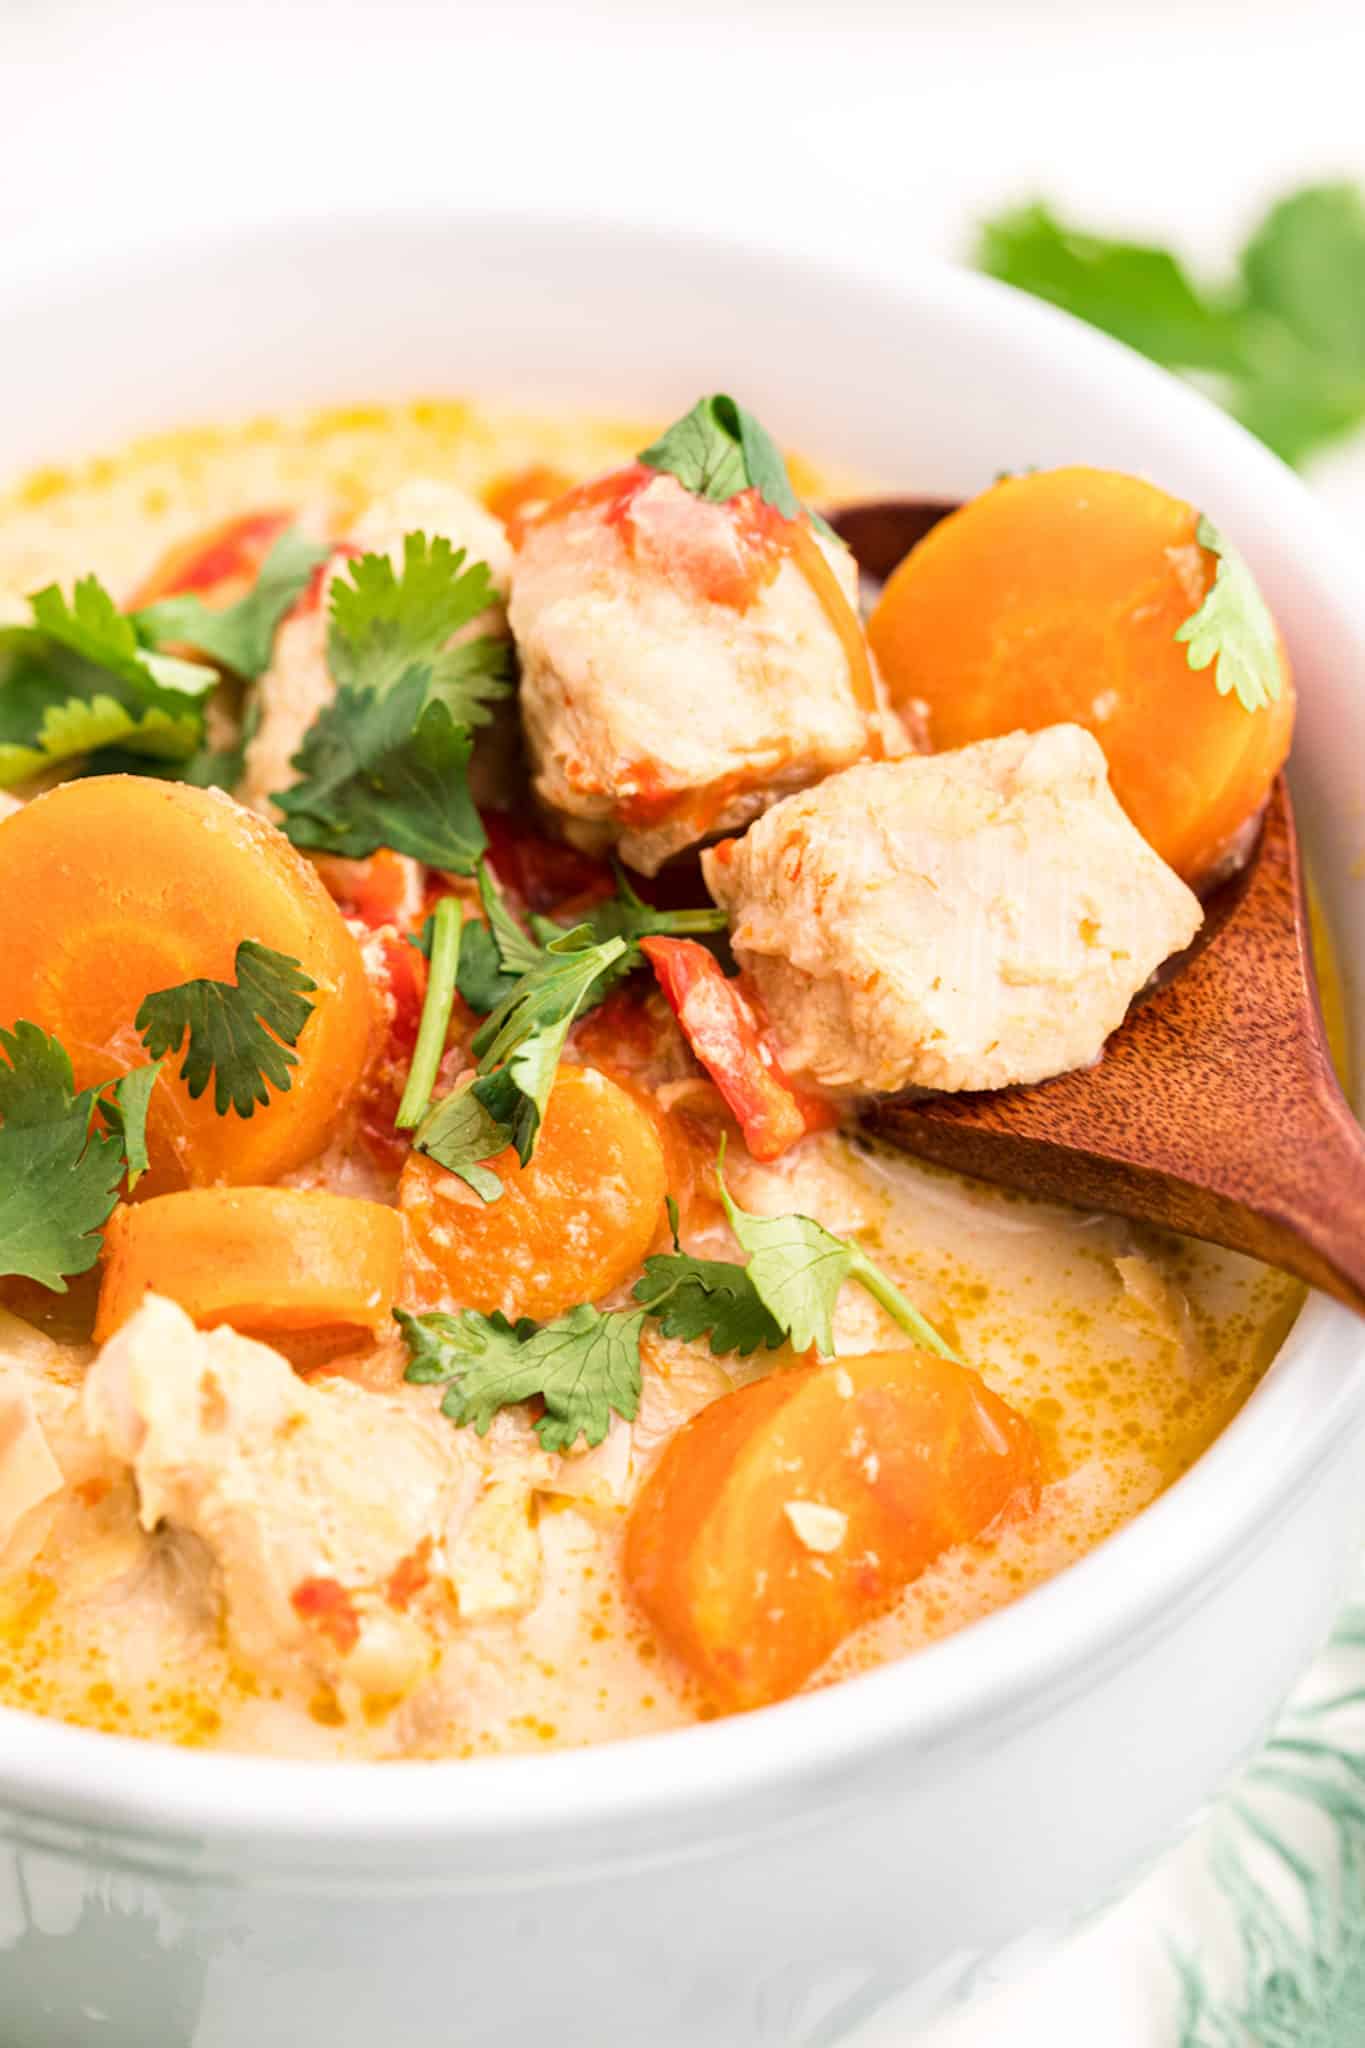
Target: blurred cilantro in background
1281 344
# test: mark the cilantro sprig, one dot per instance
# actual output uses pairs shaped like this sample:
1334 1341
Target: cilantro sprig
238 1034
718 450
798 1269
498 952
531 986
518 1048
86 679
1283 339
585 1365
385 623
385 763
1233 627
63 1156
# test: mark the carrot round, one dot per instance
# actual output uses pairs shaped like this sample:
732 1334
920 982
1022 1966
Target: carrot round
1057 597
120 885
567 1228
266 1260
785 1514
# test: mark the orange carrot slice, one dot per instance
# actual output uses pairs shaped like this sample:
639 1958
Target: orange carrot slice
787 1513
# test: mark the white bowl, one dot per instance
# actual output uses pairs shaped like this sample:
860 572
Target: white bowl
792 1875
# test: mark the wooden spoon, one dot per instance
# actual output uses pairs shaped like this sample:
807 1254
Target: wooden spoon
1215 1110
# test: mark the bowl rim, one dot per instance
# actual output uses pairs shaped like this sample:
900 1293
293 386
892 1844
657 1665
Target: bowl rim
1001 1669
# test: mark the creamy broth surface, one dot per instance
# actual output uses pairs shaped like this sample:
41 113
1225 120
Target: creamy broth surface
1126 1349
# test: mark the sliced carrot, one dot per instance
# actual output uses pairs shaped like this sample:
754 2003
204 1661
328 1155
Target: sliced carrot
1057 596
725 1027
120 885
269 1261
567 1228
785 1514
218 564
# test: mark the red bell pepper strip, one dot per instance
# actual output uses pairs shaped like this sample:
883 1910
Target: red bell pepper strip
726 1029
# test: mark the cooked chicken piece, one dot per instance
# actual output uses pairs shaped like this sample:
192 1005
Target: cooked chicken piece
326 1507
957 920
655 714
298 683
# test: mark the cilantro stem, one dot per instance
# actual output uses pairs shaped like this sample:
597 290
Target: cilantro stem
681 922
884 1290
446 925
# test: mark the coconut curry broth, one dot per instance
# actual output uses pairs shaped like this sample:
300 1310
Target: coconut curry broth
1124 1350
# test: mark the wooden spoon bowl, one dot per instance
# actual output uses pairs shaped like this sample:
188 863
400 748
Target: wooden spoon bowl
1215 1110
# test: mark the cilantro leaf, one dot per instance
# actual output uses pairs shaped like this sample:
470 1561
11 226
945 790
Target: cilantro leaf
713 1298
59 1176
465 1128
797 1268
627 916
123 1111
1234 628
718 450
240 636
584 1365
384 624
78 680
703 450
1283 338
240 1034
527 1031
518 1047
382 770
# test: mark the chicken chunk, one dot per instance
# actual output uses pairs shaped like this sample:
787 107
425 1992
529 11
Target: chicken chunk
667 693
297 685
958 920
326 1507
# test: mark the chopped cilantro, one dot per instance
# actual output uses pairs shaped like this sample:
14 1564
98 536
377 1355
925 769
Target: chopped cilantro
584 1365
239 1033
240 636
385 770
1233 627
59 1175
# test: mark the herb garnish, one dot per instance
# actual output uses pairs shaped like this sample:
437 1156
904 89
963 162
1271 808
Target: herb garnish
586 1363
240 1034
383 625
88 679
240 636
446 921
718 450
1284 340
385 763
1233 627
59 1173
497 952
518 1047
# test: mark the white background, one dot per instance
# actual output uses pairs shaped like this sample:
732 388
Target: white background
887 128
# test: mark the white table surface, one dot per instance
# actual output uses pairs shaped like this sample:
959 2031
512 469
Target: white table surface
885 129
